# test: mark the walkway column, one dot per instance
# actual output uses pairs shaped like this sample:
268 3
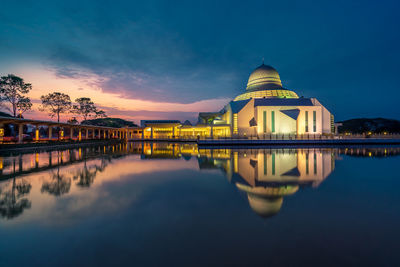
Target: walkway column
142 133
71 133
37 134
173 132
1 136
87 133
212 132
93 133
79 134
20 133
50 132
151 134
99 134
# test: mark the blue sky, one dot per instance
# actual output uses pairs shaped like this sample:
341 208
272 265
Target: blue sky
345 53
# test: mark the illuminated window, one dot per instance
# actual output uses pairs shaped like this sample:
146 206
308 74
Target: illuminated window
273 121
267 93
314 121
264 121
306 122
235 123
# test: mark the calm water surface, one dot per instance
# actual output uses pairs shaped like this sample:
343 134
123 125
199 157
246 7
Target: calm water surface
176 205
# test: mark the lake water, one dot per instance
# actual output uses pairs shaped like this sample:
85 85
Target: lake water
166 204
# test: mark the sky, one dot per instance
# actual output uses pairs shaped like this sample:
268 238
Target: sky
159 59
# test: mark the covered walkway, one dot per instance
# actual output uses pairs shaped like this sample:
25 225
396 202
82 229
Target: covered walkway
16 130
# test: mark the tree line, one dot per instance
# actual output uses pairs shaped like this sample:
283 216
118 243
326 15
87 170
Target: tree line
13 97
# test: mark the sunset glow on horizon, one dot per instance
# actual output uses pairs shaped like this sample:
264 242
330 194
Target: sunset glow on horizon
45 81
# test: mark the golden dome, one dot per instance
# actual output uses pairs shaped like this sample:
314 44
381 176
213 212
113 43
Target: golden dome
263 78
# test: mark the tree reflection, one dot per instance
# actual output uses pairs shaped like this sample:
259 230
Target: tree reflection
12 201
86 175
59 184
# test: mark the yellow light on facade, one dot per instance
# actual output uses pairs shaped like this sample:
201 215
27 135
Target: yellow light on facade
235 123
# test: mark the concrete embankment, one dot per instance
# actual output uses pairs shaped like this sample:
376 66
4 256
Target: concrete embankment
316 142
34 147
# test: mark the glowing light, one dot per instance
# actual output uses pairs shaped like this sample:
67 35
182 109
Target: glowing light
235 123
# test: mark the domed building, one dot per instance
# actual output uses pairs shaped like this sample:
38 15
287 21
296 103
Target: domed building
264 81
265 109
268 108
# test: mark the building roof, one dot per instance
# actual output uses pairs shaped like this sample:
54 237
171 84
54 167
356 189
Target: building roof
145 122
237 106
283 102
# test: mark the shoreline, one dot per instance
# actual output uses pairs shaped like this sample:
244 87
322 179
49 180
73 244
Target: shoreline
327 143
34 147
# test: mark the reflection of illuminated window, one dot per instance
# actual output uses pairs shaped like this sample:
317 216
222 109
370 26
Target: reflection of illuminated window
235 162
315 162
273 163
265 163
307 162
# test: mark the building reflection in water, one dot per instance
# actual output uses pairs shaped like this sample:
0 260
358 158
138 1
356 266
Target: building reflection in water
265 176
269 175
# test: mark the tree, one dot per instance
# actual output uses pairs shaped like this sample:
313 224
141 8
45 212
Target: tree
101 114
24 104
12 90
56 103
86 108
72 120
